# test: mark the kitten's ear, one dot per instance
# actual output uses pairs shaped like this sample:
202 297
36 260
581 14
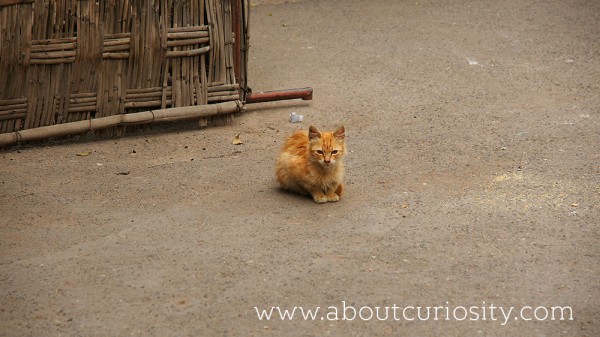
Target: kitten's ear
340 133
313 133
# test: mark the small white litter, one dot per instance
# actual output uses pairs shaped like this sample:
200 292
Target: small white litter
295 118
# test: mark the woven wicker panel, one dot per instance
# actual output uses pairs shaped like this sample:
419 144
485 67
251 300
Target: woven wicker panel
69 60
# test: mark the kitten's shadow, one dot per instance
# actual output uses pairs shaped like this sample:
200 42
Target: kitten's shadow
282 192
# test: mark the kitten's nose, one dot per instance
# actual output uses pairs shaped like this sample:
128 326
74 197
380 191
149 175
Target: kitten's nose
327 161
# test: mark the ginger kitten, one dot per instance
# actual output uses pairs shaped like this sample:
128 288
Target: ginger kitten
311 163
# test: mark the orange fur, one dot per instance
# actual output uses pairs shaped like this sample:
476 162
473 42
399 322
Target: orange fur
311 163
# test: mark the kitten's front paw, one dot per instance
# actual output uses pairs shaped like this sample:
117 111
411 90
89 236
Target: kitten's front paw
320 198
333 197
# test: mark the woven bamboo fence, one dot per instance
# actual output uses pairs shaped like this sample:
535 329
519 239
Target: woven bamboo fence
95 64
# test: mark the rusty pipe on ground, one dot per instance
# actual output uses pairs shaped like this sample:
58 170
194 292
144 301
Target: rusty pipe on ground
279 95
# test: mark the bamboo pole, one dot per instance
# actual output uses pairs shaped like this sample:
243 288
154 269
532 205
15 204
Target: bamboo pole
51 47
187 35
187 53
202 27
185 42
14 2
152 116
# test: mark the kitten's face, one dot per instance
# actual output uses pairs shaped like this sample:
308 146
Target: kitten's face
326 148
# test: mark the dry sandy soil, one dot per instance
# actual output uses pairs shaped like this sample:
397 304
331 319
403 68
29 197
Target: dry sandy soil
472 181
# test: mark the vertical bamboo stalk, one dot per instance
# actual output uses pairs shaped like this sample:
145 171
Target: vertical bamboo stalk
221 55
185 61
36 72
203 81
195 66
204 87
212 42
229 37
165 10
176 62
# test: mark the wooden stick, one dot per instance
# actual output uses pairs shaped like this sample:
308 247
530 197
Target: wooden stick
152 116
16 115
185 42
145 104
82 108
52 47
80 100
223 98
187 53
13 101
117 35
54 41
188 29
115 55
13 106
53 54
187 35
14 2
223 87
155 94
223 93
115 47
52 61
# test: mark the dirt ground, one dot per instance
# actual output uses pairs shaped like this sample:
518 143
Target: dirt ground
472 180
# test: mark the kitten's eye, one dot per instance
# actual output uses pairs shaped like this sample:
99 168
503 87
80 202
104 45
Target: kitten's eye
319 152
334 152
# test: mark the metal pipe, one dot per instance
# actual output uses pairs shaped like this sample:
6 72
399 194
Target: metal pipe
279 95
